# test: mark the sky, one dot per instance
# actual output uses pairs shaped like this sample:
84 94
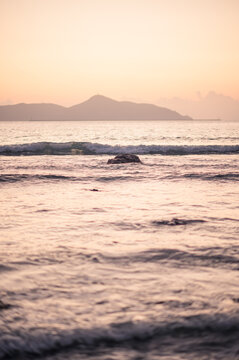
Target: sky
65 51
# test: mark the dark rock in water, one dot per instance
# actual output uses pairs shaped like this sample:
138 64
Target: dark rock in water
124 158
175 222
94 190
4 306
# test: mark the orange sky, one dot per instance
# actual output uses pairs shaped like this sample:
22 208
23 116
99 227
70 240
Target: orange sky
65 51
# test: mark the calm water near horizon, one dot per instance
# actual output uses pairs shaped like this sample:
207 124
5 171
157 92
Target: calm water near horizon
128 261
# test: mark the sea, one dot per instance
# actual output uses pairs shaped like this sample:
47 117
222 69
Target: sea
135 261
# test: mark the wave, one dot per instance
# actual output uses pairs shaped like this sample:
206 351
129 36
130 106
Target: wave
9 178
88 148
177 258
220 328
208 176
172 257
14 178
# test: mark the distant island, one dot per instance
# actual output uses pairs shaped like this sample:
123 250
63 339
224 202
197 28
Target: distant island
96 108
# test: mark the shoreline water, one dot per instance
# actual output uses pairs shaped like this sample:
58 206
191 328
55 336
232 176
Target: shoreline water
144 268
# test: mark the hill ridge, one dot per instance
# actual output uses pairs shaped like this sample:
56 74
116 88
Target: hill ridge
97 107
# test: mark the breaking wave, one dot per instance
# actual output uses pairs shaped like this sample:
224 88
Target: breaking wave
39 342
87 148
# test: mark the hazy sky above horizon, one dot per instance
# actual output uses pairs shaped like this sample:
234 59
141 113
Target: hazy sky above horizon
65 51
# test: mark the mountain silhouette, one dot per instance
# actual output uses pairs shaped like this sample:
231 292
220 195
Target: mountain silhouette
98 107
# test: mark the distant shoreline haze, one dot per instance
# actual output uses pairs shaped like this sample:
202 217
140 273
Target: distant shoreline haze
98 107
210 106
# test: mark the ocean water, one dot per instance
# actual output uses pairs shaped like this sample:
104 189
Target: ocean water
127 261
